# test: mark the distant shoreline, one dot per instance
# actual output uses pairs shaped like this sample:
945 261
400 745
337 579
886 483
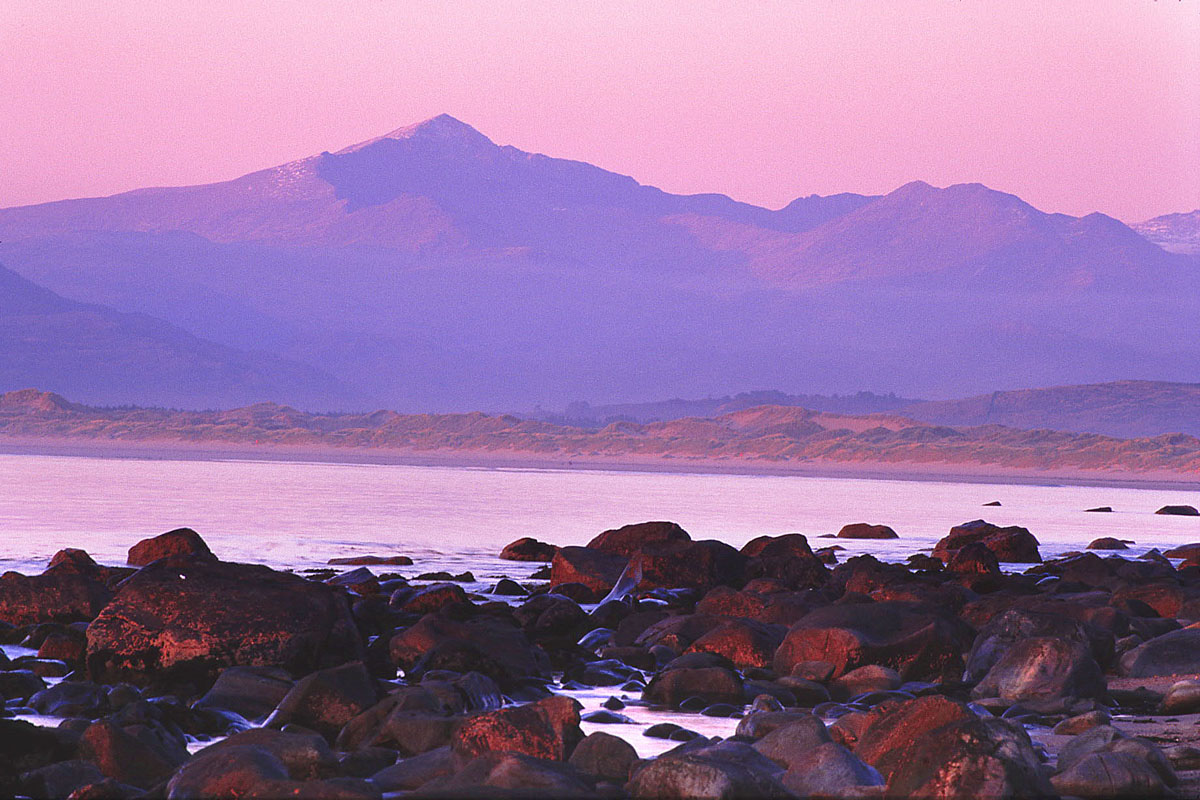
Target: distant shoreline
491 459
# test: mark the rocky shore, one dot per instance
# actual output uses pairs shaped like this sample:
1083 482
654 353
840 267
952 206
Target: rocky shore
179 675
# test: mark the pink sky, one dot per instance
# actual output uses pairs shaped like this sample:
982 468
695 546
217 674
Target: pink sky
1075 106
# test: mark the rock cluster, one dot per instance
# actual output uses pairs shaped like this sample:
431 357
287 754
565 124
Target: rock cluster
867 679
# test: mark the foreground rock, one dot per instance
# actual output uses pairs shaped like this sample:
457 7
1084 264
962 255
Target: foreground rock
1012 544
72 589
179 625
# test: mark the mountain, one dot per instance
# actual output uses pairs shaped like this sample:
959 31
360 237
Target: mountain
433 269
771 437
103 356
1177 233
1123 408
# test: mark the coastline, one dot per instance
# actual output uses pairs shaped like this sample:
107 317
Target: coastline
492 459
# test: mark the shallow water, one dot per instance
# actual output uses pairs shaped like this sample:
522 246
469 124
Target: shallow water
299 514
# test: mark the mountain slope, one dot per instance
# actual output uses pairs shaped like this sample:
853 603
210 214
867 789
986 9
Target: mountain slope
103 356
1178 233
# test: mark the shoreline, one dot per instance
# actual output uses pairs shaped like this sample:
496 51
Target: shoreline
490 459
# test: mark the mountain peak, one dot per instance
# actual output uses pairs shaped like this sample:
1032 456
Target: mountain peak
443 129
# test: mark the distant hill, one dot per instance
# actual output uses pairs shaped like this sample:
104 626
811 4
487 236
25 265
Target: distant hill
106 357
431 269
1122 408
1177 233
764 437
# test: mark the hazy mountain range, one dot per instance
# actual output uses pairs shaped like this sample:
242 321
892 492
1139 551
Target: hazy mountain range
432 270
759 437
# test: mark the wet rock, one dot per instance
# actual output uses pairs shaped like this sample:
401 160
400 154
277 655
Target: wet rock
546 729
710 684
429 599
745 643
327 699
528 549
1179 511
890 730
25 748
1045 674
725 770
677 632
509 588
72 699
236 771
999 634
862 530
550 617
1175 653
630 539
183 624
686 564
869 678
973 559
1139 758
59 780
606 717
1182 698
513 775
1012 544
917 644
1158 598
251 692
179 542
360 581
829 770
67 645
305 756
788 743
68 591
1109 775
371 561
493 648
136 756
1185 551
596 569
805 692
1072 726
413 773
20 684
604 757
786 559
1107 543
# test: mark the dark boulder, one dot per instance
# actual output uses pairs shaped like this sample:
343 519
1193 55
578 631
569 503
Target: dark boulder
863 530
72 699
427 599
688 564
183 624
595 569
495 648
1003 631
787 559
370 561
25 747
327 699
251 692
1174 653
604 757
414 772
725 770
179 542
139 755
59 780
528 549
1107 543
305 756
830 770
710 684
629 539
1045 674
1179 511
238 771
1012 544
68 591
973 559
546 729
920 644
510 775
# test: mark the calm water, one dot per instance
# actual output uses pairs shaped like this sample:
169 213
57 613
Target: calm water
302 514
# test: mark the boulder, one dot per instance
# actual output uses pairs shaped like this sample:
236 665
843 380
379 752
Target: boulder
1069 622
508 774
27 747
787 560
1174 653
66 592
1012 544
629 539
1179 511
604 757
1109 775
327 699
919 644
134 756
788 744
59 780
596 569
546 729
890 729
305 756
1182 698
1046 674
179 542
414 772
371 561
830 770
1107 543
710 684
494 648
427 599
72 699
172 624
725 770
251 692
528 549
687 564
973 559
1106 740
862 530
226 772
745 643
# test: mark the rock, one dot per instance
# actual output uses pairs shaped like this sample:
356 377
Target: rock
427 600
65 592
1179 511
687 564
183 624
1109 775
20 684
892 728
528 549
1164 599
595 569
493 648
606 717
327 699
135 756
226 772
805 692
758 724
413 773
829 770
59 780
788 743
251 692
1100 510
1044 674
710 684
1107 543
27 747
1182 698
745 643
551 617
509 588
360 581
546 729
605 757
179 542
630 539
305 756
973 559
510 775
917 644
1185 551
787 559
72 699
725 770
1012 544
994 503
999 634
1072 726
1174 653
371 561
861 530
869 678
